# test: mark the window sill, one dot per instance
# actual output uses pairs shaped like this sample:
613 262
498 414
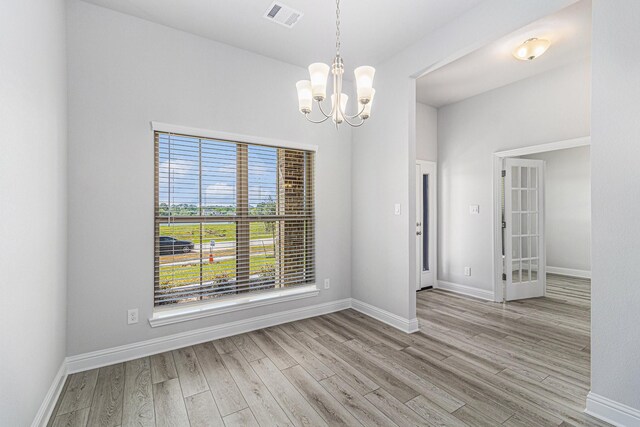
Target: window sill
168 316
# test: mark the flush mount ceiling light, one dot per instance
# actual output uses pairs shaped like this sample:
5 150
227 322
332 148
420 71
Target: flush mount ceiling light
316 88
531 49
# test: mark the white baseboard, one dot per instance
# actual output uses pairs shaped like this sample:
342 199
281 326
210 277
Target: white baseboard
405 325
50 399
611 411
583 274
96 359
464 290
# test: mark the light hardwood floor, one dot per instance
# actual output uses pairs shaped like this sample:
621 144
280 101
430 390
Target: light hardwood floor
473 363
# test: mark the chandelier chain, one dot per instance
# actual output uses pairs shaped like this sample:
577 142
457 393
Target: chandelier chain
338 27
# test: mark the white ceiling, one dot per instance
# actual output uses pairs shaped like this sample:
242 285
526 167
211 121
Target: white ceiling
493 66
372 30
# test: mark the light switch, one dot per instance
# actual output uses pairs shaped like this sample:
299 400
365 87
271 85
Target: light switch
396 209
474 209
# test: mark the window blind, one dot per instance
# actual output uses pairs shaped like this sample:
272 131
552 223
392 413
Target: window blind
230 218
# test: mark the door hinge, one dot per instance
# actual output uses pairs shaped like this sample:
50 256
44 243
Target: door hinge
504 276
504 173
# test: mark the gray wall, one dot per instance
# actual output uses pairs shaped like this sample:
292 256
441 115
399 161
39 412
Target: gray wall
615 150
567 208
125 72
550 107
33 224
426 132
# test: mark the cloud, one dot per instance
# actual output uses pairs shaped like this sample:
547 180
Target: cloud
219 194
178 168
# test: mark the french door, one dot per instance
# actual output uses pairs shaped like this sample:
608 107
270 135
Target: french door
523 224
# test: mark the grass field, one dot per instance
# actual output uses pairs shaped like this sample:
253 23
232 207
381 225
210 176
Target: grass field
180 275
222 232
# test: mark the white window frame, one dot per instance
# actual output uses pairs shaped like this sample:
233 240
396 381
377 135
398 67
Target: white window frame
196 310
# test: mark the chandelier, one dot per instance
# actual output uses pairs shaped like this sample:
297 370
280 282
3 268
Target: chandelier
316 89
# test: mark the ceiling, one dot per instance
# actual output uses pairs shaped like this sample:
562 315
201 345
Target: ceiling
240 23
493 66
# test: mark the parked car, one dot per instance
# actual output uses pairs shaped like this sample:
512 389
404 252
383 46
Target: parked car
171 246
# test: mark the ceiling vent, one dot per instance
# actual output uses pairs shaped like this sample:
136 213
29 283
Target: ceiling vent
282 14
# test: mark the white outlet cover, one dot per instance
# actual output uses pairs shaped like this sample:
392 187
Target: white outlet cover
327 283
474 209
396 209
132 316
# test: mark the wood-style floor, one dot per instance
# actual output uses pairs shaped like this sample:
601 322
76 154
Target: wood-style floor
473 363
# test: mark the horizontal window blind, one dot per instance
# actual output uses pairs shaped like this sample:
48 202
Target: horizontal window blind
230 218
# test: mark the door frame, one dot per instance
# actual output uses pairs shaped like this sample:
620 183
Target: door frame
498 157
433 218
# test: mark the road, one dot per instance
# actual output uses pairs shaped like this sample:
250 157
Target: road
220 246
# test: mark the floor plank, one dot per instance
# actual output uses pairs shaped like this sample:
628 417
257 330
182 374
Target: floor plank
225 345
290 400
385 379
300 354
248 347
138 396
347 372
106 409
169 404
76 418
202 410
262 404
192 379
223 388
242 418
272 349
79 391
394 409
163 367
323 402
359 407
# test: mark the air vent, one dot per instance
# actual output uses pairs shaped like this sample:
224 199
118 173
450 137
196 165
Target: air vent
282 14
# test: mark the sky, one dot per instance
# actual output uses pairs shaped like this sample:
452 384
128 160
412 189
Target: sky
179 167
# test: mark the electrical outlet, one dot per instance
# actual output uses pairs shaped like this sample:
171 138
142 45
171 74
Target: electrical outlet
327 283
474 209
467 271
396 209
132 316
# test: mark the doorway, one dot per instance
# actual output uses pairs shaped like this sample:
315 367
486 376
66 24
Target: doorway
520 220
426 224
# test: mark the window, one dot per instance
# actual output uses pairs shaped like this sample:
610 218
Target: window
230 218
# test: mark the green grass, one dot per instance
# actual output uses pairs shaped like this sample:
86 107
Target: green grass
180 275
223 232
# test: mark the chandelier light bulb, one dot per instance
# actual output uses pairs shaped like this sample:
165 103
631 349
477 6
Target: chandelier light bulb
305 101
531 49
318 73
364 82
366 108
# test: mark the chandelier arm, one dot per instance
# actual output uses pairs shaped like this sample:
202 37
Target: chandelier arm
356 115
322 110
346 118
355 125
306 116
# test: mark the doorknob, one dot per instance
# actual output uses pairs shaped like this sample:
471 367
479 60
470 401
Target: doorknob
418 233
